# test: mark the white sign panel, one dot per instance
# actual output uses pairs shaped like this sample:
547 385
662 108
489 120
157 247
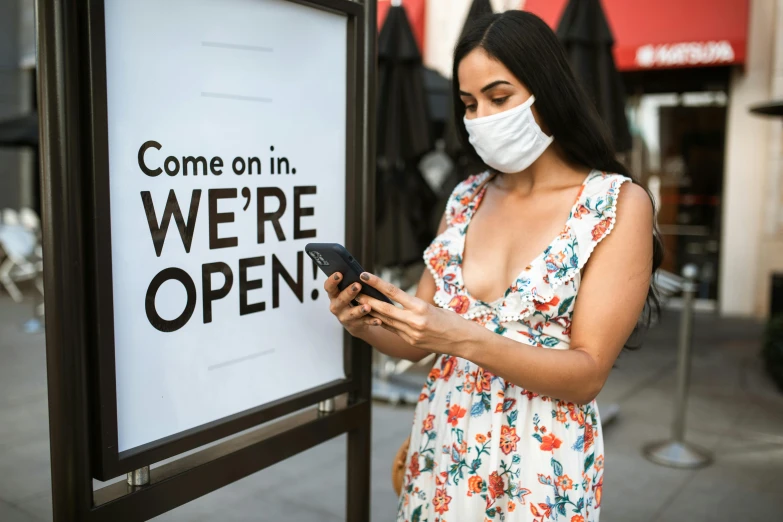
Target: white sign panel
227 150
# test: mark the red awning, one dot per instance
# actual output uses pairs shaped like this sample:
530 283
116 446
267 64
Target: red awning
415 9
665 34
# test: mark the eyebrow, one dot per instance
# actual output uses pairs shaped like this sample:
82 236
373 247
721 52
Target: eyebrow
487 87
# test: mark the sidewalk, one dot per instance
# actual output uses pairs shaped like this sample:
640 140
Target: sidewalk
734 411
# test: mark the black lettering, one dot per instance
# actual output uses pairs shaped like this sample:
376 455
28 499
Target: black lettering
251 162
175 170
275 216
153 317
215 218
300 212
195 162
142 165
280 162
158 232
246 285
242 164
278 271
216 165
210 294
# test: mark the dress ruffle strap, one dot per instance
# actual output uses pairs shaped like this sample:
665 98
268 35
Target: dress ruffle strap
592 219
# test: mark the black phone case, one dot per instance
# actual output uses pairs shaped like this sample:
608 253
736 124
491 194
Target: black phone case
340 260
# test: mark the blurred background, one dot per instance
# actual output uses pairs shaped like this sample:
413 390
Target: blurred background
692 92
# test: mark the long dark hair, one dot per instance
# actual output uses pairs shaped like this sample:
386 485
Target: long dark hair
530 50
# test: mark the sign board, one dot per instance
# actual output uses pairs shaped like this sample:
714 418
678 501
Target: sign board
226 156
191 149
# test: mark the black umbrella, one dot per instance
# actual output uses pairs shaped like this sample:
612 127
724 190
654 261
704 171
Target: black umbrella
588 41
770 108
21 131
404 201
403 131
477 9
464 164
438 90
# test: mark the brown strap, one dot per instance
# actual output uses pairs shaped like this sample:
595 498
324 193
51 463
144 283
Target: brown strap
399 465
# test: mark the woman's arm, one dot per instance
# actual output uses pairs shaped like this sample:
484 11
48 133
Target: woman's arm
611 297
391 344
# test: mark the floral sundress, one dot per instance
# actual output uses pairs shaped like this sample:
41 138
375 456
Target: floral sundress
483 449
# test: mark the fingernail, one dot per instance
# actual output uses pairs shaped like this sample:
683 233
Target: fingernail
377 322
336 277
365 308
355 288
365 276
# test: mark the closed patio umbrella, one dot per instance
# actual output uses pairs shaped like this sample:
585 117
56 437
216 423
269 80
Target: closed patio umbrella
21 131
464 164
404 201
588 41
438 91
477 9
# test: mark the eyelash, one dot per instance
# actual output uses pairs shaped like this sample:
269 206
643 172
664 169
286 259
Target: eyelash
497 102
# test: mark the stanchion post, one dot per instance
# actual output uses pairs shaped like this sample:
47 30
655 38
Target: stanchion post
685 353
676 452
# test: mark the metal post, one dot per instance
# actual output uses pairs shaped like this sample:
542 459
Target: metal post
676 452
60 88
139 477
685 353
358 469
326 406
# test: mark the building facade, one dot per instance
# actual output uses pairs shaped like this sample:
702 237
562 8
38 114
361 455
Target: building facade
715 169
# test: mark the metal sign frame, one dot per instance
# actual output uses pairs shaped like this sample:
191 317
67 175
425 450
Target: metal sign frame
77 270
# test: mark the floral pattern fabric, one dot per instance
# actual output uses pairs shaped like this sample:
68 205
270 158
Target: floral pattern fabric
486 450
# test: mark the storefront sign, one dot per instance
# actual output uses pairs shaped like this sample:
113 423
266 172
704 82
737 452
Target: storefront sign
226 156
190 150
667 33
685 54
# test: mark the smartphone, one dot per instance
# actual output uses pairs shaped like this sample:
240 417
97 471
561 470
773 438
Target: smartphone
332 258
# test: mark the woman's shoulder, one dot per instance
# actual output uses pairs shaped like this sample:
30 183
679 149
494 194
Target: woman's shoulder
601 181
602 191
635 206
606 200
618 223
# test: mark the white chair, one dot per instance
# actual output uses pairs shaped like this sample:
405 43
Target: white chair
9 216
21 262
30 220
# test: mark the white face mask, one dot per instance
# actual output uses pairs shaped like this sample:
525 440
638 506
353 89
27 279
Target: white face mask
509 141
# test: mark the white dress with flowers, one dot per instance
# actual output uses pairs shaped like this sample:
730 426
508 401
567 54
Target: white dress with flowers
483 449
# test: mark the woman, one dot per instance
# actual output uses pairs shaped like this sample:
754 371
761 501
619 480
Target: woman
507 426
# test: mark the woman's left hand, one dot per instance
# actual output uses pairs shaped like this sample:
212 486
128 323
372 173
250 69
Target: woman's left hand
418 323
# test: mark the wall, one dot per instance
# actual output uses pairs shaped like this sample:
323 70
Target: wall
744 271
752 235
771 244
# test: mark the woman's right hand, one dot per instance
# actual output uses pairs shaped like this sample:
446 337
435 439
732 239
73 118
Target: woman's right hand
353 318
